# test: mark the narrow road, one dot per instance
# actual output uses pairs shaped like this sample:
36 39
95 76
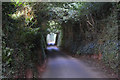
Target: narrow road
62 66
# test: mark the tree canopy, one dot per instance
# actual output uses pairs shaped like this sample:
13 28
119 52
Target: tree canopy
26 25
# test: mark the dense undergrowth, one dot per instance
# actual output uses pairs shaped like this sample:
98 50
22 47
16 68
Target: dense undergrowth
95 35
86 28
22 44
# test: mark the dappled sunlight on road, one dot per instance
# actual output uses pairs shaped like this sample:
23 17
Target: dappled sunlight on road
53 48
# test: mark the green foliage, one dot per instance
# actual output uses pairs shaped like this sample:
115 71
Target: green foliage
53 27
6 57
26 24
20 41
91 31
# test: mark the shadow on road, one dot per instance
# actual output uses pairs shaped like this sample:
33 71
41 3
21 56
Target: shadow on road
60 65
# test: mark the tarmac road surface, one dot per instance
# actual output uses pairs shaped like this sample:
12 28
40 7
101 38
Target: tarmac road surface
62 66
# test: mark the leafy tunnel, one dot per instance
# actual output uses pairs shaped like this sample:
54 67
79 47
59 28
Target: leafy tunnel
82 28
